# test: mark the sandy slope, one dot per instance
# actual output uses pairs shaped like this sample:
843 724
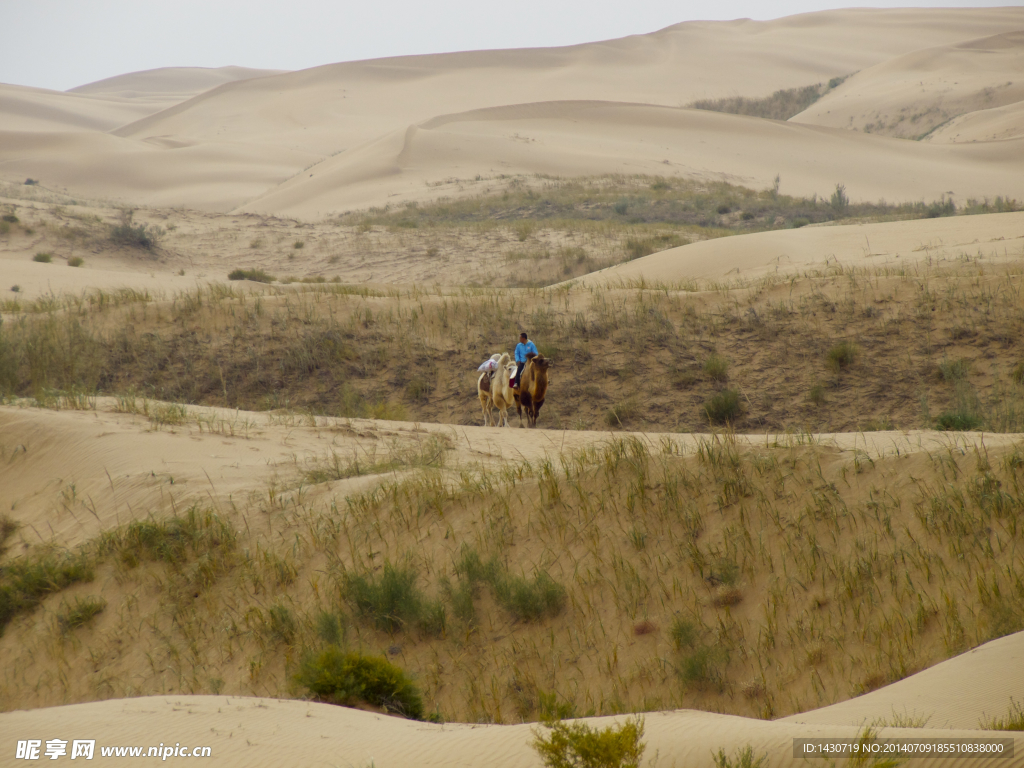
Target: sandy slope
911 95
996 124
176 83
271 732
988 238
242 139
584 138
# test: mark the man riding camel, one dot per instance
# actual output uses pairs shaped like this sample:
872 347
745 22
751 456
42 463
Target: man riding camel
525 349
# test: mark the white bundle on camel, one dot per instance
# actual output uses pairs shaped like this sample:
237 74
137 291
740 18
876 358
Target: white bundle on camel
492 364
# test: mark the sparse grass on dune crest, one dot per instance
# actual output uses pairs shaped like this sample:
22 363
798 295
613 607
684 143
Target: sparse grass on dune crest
759 581
948 344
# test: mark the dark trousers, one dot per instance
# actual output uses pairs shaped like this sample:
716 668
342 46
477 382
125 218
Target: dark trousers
519 372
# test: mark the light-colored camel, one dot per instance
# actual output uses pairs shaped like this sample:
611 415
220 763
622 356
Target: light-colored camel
483 390
502 395
533 388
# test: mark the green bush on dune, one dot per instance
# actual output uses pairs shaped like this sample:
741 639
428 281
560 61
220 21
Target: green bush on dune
346 678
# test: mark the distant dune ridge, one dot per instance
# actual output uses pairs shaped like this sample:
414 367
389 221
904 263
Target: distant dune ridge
234 138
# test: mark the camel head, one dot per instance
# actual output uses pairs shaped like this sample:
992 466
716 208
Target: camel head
542 362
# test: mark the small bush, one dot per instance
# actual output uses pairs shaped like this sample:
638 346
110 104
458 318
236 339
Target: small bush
702 667
577 745
724 407
841 356
43 258
80 614
330 627
127 232
299 244
256 275
530 600
744 758
16 288
9 218
393 601
281 624
816 394
31 182
684 634
953 371
840 202
76 261
800 221
959 420
717 368
337 677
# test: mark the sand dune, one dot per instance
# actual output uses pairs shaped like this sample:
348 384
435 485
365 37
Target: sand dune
588 138
996 124
267 129
171 82
912 95
989 239
35 109
272 732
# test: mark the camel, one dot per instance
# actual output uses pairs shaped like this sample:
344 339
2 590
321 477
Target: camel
533 388
483 391
502 394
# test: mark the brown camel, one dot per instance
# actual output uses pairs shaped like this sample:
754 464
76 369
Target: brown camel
533 388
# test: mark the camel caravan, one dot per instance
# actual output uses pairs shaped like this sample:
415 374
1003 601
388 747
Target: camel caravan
505 382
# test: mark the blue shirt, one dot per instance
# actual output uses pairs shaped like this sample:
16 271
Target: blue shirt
522 349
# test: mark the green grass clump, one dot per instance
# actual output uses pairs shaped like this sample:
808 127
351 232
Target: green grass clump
43 258
256 275
393 601
526 599
25 583
622 413
841 356
197 534
80 613
724 407
953 371
717 368
958 420
76 261
337 677
577 745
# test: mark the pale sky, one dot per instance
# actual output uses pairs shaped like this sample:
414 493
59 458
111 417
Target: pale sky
61 44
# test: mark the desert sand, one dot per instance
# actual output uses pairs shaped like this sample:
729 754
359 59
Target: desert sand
228 158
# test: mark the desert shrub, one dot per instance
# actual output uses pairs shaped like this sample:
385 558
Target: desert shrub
1017 374
800 221
9 218
195 535
941 208
953 371
816 394
330 627
256 275
702 667
337 677
577 745
394 601
31 182
299 244
530 599
76 261
684 633
1012 721
127 232
724 407
958 420
840 201
717 368
80 613
43 258
622 413
24 583
281 624
743 758
841 356
781 105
